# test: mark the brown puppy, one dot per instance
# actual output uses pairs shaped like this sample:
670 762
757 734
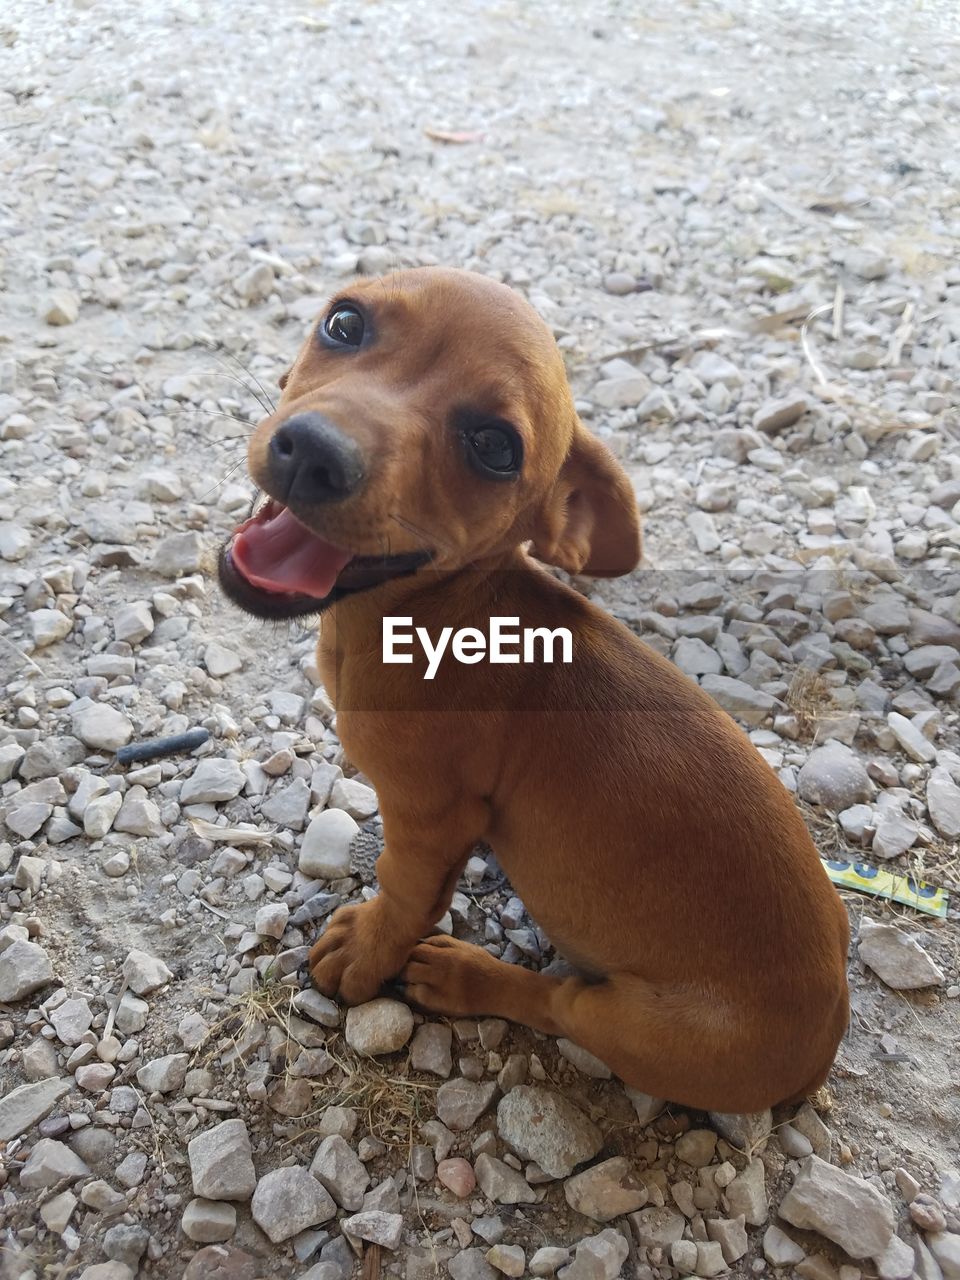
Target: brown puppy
425 436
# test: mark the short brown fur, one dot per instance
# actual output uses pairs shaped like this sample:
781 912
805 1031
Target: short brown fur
640 827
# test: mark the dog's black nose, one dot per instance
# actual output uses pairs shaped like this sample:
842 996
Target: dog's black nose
311 461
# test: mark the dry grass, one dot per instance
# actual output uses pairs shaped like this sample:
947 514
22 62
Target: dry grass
809 697
270 1002
389 1102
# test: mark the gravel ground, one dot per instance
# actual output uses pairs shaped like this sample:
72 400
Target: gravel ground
740 219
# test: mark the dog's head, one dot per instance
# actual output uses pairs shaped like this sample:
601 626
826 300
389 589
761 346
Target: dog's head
426 420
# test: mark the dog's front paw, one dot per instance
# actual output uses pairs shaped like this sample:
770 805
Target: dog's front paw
354 956
446 975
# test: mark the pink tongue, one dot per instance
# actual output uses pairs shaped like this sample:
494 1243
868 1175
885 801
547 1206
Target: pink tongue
280 555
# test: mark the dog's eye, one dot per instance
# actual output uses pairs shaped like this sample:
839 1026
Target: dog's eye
495 449
344 325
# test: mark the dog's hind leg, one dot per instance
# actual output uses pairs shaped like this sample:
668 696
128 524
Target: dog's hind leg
668 1043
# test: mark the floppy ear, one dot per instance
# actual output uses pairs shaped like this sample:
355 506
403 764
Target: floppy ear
589 523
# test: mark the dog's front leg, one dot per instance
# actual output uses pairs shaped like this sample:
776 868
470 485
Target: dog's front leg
425 850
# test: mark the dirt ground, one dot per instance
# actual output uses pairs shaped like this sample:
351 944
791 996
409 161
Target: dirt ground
726 210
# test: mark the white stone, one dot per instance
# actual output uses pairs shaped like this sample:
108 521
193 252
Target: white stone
214 780
740 700
133 622
598 1257
15 541
914 744
28 1104
544 1126
164 1075
355 798
341 1171
779 1250
221 1163
894 834
72 1020
896 958
103 727
209 1221
943 803
379 1026
144 973
834 778
326 844
99 814
288 1201
24 968
844 1208
60 307
47 626
51 1162
138 814
221 661
376 1226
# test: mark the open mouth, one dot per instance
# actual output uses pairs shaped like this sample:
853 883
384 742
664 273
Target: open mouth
275 567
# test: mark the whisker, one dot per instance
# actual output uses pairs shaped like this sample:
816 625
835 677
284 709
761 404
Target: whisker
220 413
265 404
250 374
223 479
205 439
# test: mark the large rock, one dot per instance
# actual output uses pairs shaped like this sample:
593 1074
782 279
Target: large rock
379 1026
500 1183
288 1201
341 1171
376 1226
325 848
164 1075
897 958
844 1208
24 968
177 554
740 700
221 1163
213 781
598 1257
103 727
914 744
460 1103
544 1126
51 1162
606 1191
144 973
207 1221
943 802
47 626
26 1106
834 778
431 1049
747 1193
